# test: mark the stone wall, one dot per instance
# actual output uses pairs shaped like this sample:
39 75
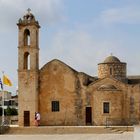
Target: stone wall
58 83
116 70
28 95
115 93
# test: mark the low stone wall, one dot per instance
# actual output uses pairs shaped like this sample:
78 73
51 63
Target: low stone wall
69 130
14 120
10 120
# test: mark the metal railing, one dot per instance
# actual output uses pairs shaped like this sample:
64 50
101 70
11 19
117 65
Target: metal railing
4 126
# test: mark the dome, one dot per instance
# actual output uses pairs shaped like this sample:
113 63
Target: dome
111 59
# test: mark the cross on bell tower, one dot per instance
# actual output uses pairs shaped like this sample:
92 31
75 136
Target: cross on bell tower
29 10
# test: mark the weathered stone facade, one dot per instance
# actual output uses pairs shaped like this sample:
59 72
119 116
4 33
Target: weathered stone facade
28 68
64 96
112 67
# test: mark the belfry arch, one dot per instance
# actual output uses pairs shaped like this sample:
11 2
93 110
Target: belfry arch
26 37
26 61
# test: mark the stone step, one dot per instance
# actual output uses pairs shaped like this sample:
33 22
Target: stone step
121 129
66 130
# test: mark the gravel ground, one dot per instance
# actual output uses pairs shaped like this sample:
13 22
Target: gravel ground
123 136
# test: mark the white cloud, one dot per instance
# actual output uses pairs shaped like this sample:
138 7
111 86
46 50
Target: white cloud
75 46
78 49
128 14
48 11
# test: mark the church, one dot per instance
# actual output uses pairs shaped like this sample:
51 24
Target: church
66 97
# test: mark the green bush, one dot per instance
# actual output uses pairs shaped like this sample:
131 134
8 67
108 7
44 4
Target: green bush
11 111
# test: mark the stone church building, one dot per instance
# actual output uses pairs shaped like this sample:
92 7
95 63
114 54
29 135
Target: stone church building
64 96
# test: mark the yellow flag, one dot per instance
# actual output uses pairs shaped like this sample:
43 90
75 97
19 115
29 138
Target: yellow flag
6 81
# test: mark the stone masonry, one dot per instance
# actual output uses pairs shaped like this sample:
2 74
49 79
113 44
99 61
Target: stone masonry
64 96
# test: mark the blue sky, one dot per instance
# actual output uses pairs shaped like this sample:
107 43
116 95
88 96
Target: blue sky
81 33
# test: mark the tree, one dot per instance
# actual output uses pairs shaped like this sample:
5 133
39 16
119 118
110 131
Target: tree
11 111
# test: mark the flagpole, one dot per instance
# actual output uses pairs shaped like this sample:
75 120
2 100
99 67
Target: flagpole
2 106
7 82
3 102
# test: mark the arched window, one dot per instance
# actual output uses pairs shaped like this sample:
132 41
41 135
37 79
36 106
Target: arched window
26 37
37 61
27 61
36 38
110 71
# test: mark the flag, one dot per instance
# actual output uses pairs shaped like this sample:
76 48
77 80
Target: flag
6 81
1 84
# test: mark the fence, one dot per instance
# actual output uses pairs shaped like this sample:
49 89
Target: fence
4 126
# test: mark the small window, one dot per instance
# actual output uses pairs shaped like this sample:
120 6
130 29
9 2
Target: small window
6 103
106 107
55 106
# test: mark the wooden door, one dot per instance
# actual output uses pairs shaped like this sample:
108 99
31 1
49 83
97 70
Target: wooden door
88 116
26 118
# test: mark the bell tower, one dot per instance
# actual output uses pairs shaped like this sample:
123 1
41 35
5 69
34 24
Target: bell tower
28 68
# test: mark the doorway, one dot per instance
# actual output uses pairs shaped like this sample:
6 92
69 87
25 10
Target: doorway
88 115
26 118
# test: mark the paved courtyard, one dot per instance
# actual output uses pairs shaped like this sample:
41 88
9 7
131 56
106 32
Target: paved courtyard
123 136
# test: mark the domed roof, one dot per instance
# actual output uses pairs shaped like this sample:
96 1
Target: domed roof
112 59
